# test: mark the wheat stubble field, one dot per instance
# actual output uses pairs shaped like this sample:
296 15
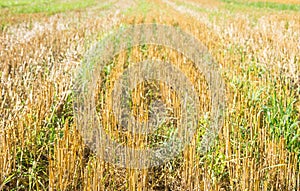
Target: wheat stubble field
255 43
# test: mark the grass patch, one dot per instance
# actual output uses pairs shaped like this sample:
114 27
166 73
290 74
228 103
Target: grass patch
143 7
192 7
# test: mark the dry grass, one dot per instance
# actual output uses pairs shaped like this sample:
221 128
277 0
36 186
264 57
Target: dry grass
258 147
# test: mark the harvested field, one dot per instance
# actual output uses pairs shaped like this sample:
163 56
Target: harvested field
255 46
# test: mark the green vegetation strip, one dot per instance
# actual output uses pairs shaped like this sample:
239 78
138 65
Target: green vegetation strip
43 6
265 5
